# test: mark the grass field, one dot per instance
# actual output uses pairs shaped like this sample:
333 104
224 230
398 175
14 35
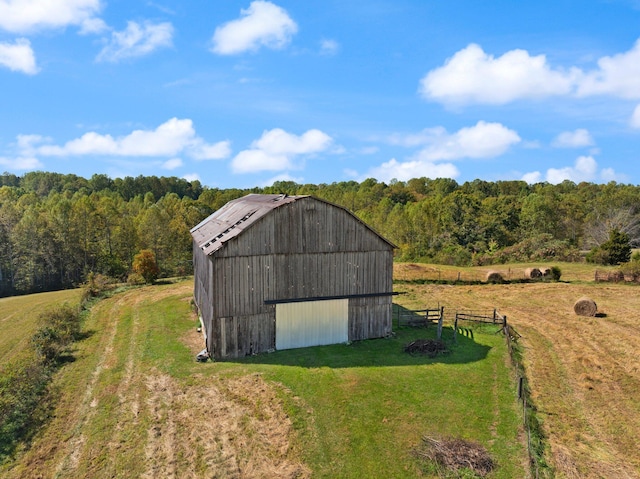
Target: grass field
18 318
585 372
134 403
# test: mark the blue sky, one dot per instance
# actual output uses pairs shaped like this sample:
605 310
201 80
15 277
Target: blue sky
245 93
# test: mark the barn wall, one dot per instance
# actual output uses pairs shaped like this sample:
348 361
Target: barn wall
369 317
307 225
305 249
203 289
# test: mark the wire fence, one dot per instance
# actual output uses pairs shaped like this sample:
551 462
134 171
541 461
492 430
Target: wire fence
462 319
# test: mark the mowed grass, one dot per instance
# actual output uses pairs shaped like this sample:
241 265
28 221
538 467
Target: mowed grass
19 315
369 404
584 372
135 403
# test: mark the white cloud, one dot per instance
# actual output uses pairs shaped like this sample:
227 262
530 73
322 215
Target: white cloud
21 163
173 137
635 118
573 139
172 164
199 150
329 47
473 76
249 161
276 150
532 178
404 171
617 75
93 25
584 169
262 24
25 16
483 140
192 177
18 56
136 41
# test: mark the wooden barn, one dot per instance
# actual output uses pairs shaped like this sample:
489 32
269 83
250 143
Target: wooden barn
281 272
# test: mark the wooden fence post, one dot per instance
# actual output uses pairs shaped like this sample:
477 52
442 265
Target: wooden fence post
440 319
455 328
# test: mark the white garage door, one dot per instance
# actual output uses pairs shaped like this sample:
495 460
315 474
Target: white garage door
312 323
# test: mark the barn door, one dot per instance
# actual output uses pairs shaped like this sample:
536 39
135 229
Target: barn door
312 323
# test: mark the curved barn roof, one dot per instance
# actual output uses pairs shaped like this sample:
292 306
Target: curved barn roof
237 215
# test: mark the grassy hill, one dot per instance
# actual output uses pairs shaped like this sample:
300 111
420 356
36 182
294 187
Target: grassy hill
18 317
134 403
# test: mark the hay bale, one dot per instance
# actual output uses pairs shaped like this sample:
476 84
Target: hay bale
494 277
585 307
545 271
532 273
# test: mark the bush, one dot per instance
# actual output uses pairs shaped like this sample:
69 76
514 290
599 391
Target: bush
96 285
555 273
542 247
616 250
135 279
59 327
144 264
23 385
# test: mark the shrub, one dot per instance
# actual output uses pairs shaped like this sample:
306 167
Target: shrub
135 279
96 285
59 327
617 247
23 385
144 263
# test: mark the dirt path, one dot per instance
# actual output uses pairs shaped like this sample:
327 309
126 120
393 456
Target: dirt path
118 417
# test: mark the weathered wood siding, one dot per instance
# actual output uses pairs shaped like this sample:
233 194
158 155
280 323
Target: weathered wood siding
305 249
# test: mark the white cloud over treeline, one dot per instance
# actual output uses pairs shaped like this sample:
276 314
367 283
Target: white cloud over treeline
175 136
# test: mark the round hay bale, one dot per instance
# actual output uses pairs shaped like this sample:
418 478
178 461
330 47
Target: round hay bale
545 271
532 273
585 307
494 277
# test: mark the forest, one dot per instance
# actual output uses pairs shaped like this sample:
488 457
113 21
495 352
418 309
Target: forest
56 229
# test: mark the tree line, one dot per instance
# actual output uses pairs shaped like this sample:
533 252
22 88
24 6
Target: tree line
56 229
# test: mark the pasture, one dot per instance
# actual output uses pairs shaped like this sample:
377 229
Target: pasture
134 403
584 371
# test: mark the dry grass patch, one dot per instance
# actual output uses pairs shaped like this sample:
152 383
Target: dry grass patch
120 413
584 371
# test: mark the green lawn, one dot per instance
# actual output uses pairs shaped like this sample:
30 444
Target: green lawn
365 406
357 410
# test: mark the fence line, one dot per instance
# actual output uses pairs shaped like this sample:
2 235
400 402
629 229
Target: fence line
524 394
426 317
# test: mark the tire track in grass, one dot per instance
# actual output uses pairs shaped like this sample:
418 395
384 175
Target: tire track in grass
87 408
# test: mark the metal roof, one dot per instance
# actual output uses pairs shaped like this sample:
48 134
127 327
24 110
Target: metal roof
234 217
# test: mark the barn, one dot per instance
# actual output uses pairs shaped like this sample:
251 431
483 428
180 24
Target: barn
280 272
